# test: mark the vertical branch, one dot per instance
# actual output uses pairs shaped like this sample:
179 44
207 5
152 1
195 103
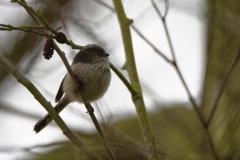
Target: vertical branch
149 138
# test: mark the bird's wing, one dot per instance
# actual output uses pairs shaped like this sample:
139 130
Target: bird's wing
60 91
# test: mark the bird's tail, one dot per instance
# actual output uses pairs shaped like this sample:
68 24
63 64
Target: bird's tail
42 123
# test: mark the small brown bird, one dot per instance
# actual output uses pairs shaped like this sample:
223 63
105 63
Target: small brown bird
91 69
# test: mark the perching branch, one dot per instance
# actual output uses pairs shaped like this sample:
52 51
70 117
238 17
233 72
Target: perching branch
149 138
87 105
47 105
40 21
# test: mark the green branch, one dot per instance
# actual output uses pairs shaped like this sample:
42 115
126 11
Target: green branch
30 28
124 80
149 138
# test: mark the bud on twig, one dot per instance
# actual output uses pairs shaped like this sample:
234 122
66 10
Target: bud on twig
61 37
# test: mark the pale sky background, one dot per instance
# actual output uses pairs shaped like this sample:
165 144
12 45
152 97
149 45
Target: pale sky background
187 30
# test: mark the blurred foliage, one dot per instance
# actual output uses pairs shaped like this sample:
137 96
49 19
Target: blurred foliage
177 138
223 39
178 132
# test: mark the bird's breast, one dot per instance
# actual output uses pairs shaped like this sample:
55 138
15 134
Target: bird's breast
95 79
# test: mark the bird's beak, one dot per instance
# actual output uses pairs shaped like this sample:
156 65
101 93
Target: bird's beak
105 54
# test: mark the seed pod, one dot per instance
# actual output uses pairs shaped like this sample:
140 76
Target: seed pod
48 55
61 37
48 45
48 49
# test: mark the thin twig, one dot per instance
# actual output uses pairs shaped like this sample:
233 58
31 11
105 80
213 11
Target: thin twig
138 32
41 21
151 44
223 85
195 106
25 29
175 65
166 8
165 28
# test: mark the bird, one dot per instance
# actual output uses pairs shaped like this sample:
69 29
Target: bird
90 66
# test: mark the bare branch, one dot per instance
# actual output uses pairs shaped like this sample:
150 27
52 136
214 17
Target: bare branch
25 29
166 8
175 65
